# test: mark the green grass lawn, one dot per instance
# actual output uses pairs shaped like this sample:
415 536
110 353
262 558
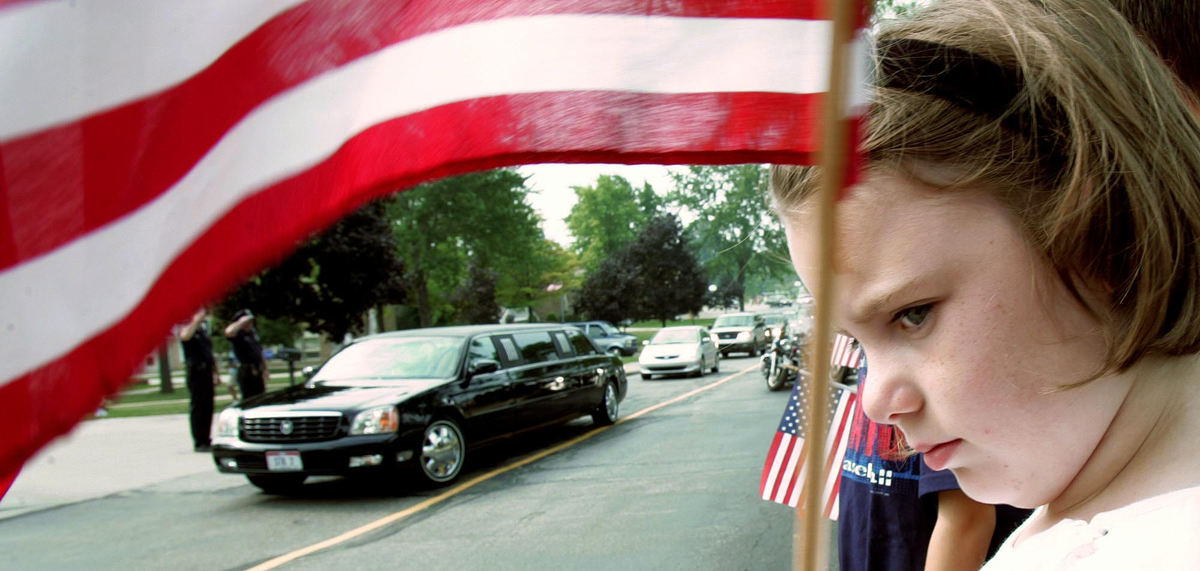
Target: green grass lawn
655 324
139 399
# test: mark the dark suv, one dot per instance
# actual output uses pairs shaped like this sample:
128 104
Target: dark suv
608 338
418 401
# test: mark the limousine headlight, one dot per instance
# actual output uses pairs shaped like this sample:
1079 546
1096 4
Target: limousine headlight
227 423
376 421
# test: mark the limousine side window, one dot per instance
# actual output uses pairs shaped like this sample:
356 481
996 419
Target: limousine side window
582 345
564 346
512 356
536 346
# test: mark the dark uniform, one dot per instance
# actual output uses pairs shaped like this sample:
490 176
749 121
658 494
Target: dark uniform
198 355
248 351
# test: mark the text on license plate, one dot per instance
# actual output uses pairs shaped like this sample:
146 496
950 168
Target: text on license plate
288 461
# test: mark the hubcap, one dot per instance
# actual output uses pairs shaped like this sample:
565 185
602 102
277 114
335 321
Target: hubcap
442 451
610 401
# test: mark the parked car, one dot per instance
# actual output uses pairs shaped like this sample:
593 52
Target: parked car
740 333
418 401
608 338
682 350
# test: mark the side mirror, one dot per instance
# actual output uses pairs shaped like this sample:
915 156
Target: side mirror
308 372
645 341
483 366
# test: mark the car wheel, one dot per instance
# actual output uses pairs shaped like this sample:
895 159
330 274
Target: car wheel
717 364
615 352
443 450
606 413
278 484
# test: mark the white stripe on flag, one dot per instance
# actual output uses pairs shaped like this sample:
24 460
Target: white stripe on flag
132 48
52 303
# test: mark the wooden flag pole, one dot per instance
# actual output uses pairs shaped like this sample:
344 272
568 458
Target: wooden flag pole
810 546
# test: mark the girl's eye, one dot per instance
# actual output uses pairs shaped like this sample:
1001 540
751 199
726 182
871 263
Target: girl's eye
913 317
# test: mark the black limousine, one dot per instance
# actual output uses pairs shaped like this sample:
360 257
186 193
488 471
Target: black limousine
418 400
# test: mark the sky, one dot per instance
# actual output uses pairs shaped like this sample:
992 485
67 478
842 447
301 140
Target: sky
553 197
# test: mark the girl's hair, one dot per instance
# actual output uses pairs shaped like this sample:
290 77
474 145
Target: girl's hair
1059 111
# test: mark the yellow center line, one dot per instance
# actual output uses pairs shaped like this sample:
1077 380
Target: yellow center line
464 486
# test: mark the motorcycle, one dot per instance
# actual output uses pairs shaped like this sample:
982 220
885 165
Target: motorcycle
783 363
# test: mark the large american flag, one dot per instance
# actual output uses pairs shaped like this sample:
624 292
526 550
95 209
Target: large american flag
153 154
784 471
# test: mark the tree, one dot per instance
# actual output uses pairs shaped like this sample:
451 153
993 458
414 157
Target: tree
328 282
608 216
476 299
891 9
728 293
667 279
735 231
608 291
482 216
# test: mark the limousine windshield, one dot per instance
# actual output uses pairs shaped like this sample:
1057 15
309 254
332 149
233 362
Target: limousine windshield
394 358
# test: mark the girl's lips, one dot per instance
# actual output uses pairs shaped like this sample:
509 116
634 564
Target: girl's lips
939 456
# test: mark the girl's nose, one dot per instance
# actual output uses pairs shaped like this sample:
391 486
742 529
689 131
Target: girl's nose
888 392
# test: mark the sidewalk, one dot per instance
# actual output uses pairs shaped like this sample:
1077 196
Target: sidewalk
102 457
107 456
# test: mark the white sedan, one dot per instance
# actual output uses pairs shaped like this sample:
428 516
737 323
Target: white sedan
682 350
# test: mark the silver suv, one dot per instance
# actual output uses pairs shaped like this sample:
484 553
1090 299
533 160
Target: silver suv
608 338
740 333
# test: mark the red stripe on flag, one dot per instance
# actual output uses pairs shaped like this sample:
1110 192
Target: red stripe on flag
6 482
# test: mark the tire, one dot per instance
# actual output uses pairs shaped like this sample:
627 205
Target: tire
767 366
717 364
608 410
443 451
277 484
776 376
777 380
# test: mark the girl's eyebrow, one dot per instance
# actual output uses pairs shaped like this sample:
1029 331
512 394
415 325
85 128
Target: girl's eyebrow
874 302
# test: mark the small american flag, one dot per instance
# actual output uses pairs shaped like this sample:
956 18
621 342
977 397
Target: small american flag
846 352
784 471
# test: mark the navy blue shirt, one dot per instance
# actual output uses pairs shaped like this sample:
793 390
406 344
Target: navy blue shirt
197 351
246 347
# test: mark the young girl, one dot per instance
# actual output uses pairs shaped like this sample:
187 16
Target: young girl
1020 265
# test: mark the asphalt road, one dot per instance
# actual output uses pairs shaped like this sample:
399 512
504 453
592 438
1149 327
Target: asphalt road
671 488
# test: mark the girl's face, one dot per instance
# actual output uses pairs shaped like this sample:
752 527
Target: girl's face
966 333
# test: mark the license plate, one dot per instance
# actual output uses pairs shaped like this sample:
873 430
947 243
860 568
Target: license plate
284 461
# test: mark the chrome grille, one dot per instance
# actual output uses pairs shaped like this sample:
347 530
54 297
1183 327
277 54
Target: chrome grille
297 428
